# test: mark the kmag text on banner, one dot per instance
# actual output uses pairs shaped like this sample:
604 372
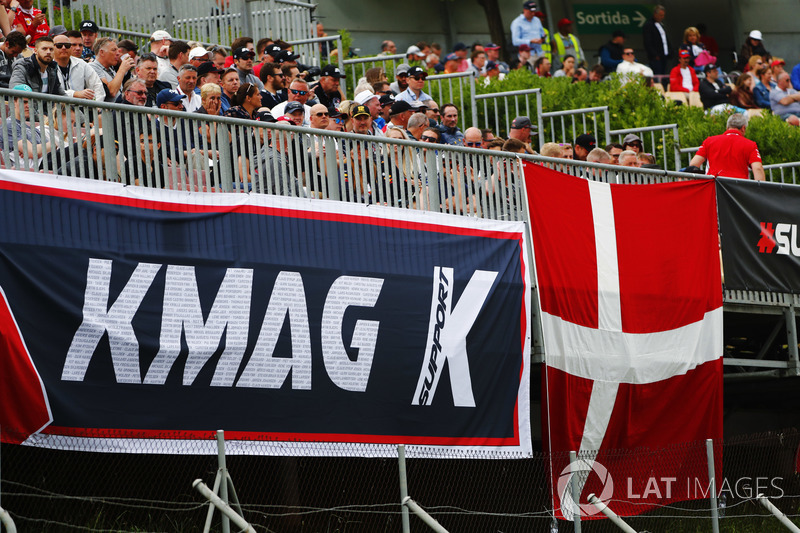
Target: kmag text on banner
169 315
629 283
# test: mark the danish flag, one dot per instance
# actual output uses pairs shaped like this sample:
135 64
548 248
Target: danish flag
630 291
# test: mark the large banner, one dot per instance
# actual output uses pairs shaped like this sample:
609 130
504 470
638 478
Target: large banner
143 320
760 242
629 283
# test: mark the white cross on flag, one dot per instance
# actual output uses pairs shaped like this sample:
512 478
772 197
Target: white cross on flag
629 285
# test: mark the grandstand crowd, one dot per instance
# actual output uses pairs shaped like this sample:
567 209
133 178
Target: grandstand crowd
262 79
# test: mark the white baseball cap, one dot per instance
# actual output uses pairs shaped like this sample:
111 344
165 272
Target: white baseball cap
197 51
755 34
365 96
160 35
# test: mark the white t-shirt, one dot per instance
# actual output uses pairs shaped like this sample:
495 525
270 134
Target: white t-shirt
686 78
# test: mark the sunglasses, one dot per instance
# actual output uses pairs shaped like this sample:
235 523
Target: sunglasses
299 92
63 45
435 111
401 75
420 77
339 120
627 53
139 93
473 144
322 114
279 75
429 139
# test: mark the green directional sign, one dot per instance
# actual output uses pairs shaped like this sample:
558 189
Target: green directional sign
605 18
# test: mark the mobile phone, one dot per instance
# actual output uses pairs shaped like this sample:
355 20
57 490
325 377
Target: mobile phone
44 10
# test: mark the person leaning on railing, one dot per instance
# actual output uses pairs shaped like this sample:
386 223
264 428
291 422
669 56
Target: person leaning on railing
731 154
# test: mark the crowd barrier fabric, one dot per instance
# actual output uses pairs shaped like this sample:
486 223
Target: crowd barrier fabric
631 303
144 318
760 242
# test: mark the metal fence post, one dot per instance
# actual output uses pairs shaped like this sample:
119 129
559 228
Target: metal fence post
619 522
778 514
676 148
712 478
607 119
340 60
473 101
576 491
223 468
401 462
539 118
791 340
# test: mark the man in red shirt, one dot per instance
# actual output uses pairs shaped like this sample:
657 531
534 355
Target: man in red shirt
730 154
30 21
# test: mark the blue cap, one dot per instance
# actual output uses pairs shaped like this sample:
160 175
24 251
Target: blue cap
23 87
168 95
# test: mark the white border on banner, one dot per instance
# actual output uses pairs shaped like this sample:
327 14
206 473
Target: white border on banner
321 448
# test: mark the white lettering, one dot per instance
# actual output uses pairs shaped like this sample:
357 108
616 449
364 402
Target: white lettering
782 238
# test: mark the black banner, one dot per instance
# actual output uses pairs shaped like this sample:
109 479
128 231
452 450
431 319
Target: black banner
760 242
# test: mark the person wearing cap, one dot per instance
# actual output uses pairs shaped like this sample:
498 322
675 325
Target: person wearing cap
76 76
89 32
682 77
656 42
274 81
565 43
731 154
522 130
159 45
460 50
30 21
777 65
714 94
386 101
416 81
300 93
198 55
10 49
632 142
493 54
372 102
414 54
400 82
399 114
243 63
207 73
57 30
451 63
784 100
178 56
38 71
584 143
328 91
523 59
362 119
527 29
611 52
752 46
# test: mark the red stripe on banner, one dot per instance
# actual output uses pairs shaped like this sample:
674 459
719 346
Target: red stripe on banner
565 256
123 433
252 210
664 247
22 396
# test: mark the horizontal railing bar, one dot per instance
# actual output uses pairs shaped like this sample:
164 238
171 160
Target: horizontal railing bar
506 93
644 128
733 361
581 111
373 59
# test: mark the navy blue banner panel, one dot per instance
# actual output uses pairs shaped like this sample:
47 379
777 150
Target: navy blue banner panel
760 242
148 319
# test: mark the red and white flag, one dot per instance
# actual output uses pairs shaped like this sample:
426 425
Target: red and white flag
629 285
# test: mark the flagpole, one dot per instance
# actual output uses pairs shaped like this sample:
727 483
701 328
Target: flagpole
712 478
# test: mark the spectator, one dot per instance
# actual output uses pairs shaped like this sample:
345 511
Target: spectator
542 67
241 42
362 120
400 82
656 42
753 63
473 138
134 92
629 66
598 155
160 41
580 75
430 135
629 158
478 63
207 73
320 117
596 74
298 92
30 21
382 119
414 54
493 54
187 81
211 98
632 142
20 127
38 71
89 32
416 81
753 45
77 43
714 94
742 95
245 102
460 50
10 49
584 143
372 102
613 150
129 48
448 129
243 63
784 100
611 52
522 129
763 87
551 150
147 71
274 85
777 64
399 113
106 53
567 67
527 29
218 57
328 90
568 152
229 84
515 146
682 77
486 137
178 56
416 125
78 79
566 44
291 72
198 55
730 154
646 160
388 48
700 57
451 64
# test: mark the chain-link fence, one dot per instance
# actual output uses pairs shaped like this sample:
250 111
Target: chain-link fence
58 490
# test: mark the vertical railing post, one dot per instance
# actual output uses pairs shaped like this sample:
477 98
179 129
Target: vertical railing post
472 101
401 462
576 486
712 485
340 58
539 118
607 120
791 340
223 468
169 17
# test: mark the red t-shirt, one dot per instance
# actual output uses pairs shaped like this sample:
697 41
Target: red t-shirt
730 154
25 21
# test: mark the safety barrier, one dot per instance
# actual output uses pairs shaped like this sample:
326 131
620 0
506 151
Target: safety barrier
657 146
493 110
445 87
783 172
357 67
565 126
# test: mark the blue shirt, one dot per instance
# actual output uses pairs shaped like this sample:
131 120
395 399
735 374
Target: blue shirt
410 97
524 30
796 77
761 94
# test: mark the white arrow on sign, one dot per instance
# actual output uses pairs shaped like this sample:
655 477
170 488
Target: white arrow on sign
641 19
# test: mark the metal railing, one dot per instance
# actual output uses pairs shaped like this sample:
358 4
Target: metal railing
459 89
565 126
314 51
357 67
493 110
656 145
783 172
